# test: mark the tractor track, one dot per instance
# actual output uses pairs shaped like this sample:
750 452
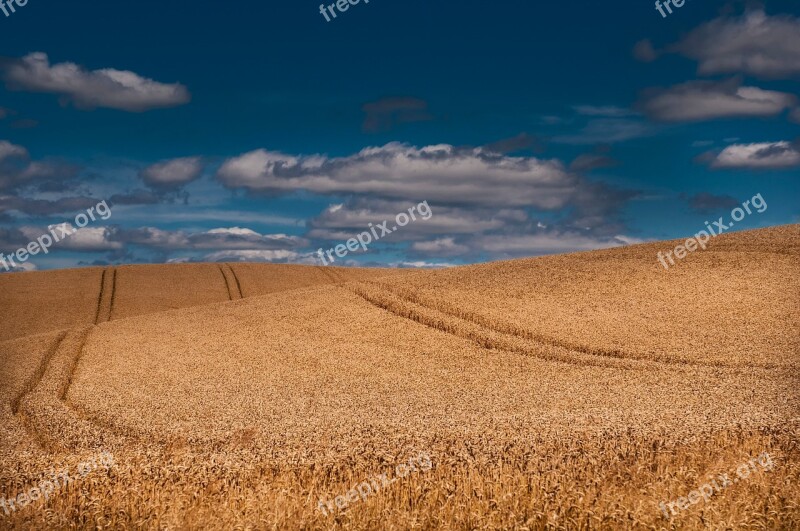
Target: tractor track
227 284
39 374
478 330
236 279
43 408
105 299
336 278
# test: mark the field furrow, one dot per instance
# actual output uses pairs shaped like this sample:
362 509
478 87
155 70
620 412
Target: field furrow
105 300
44 409
238 293
408 300
483 336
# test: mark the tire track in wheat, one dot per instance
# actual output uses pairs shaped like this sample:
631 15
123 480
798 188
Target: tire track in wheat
490 337
100 295
39 374
484 337
105 299
512 330
227 284
236 278
46 414
337 281
113 294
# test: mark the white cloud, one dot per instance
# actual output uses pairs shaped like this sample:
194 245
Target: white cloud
708 100
421 264
9 150
754 44
440 247
85 239
440 173
343 221
115 89
766 155
232 238
172 173
542 243
17 169
253 256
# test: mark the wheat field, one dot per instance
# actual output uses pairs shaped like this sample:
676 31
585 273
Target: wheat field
575 391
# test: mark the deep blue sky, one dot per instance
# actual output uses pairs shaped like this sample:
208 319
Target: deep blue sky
276 76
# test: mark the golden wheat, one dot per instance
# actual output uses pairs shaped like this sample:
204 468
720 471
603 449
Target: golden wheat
569 392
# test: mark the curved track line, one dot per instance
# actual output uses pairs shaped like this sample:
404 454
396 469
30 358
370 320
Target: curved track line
45 413
39 374
486 337
504 328
100 295
227 285
330 275
476 328
236 278
113 294
104 301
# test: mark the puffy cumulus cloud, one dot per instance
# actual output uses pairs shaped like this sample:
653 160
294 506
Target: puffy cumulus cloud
85 239
239 238
10 151
441 174
708 100
19 267
234 238
90 239
471 233
107 87
765 155
151 237
386 113
279 257
172 174
18 170
754 43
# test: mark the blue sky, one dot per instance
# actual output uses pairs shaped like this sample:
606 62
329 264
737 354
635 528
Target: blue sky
259 131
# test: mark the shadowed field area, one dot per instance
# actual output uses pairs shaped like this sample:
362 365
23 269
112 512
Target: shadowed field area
566 392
